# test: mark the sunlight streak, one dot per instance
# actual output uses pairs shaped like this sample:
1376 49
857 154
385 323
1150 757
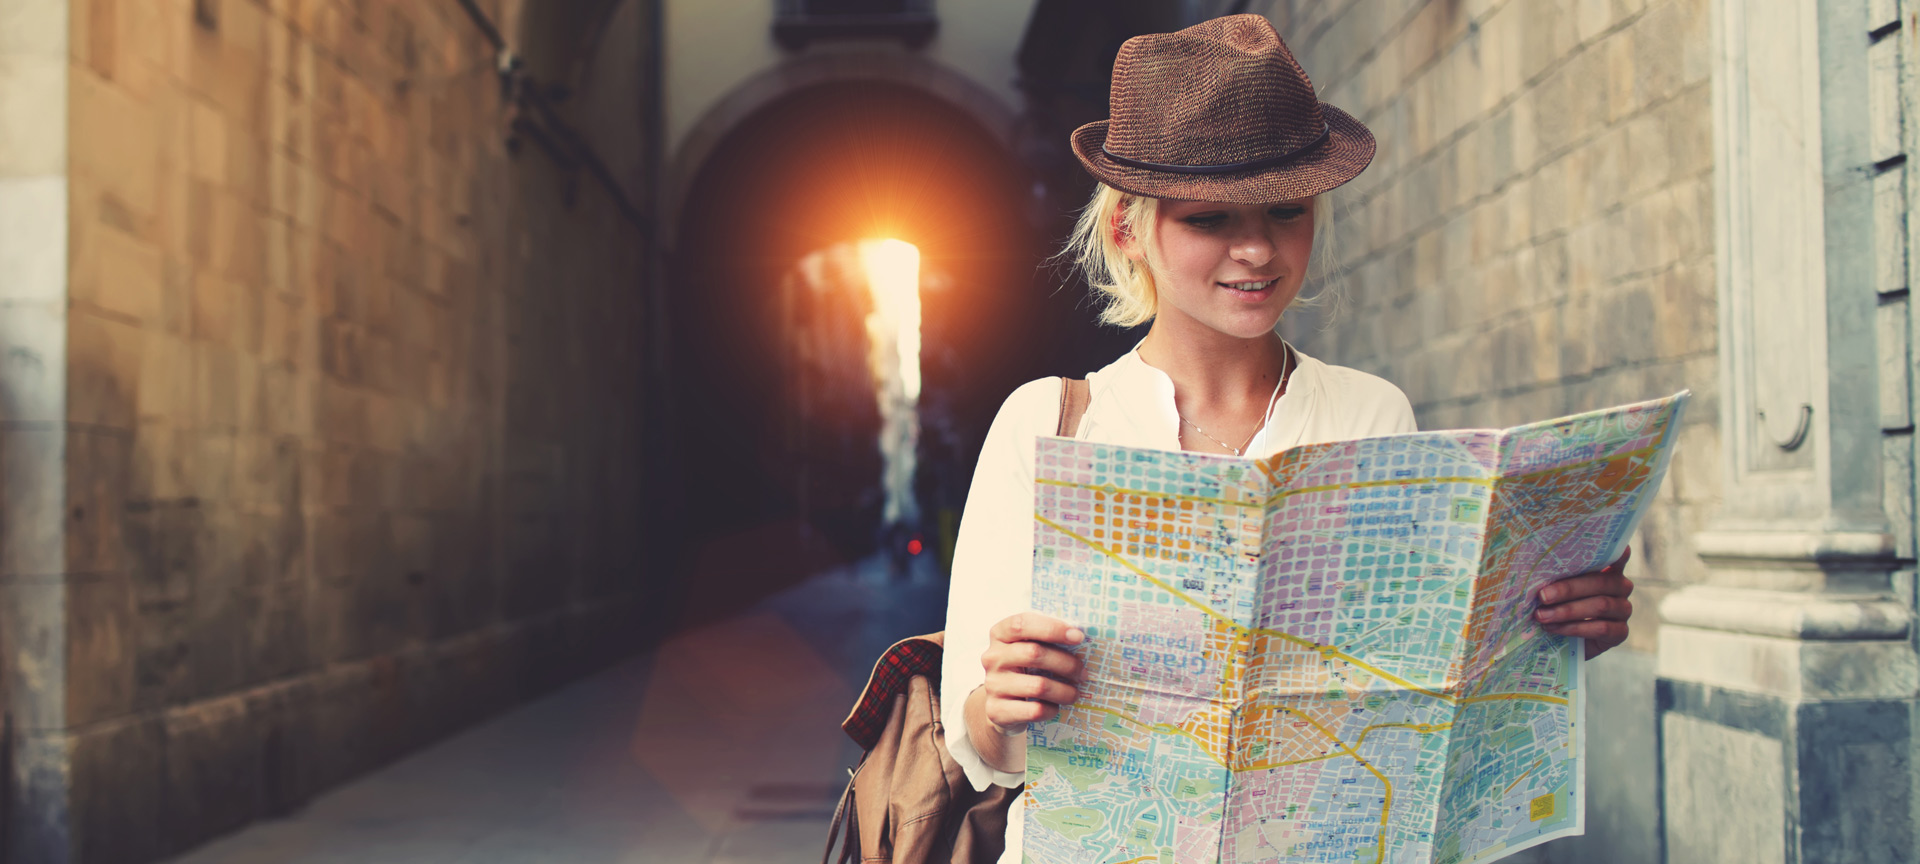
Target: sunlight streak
893 330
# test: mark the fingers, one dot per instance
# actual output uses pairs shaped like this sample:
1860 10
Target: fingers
1607 583
1028 642
1029 676
1013 713
1032 657
1603 607
1603 630
1593 606
1035 627
1600 635
1022 687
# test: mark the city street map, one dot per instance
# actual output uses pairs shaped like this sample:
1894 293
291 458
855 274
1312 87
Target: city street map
1328 655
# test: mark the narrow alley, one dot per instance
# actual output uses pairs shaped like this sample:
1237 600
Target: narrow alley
721 746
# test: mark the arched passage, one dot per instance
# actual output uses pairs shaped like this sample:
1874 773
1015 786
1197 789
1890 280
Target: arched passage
824 165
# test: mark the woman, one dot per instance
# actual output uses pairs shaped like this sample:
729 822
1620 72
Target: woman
1213 171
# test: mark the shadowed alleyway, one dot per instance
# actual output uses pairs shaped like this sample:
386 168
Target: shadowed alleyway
721 746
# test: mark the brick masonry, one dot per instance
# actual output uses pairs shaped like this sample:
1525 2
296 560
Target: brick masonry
351 410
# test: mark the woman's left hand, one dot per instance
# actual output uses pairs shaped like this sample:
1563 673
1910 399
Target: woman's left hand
1593 605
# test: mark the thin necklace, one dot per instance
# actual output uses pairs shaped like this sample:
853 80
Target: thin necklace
1286 358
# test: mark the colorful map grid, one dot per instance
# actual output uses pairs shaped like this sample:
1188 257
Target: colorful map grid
1328 655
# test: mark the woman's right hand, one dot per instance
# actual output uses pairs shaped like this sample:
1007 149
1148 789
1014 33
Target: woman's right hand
1028 675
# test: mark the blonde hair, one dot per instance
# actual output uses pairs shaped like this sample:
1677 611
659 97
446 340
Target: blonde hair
1131 299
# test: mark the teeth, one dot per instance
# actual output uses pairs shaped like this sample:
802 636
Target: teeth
1250 286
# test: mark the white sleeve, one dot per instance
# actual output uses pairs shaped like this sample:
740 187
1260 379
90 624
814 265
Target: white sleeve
993 561
1402 413
1371 405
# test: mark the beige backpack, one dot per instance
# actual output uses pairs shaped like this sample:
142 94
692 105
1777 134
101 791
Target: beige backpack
908 802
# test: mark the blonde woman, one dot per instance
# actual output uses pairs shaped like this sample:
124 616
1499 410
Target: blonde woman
1213 168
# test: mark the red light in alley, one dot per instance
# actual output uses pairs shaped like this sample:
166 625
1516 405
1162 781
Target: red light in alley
914 546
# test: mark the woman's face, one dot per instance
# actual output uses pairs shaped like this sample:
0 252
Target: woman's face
1232 268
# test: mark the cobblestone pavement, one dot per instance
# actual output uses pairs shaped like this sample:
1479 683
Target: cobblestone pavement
721 747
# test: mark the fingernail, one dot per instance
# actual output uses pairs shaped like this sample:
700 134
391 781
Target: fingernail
1549 595
1075 635
1546 615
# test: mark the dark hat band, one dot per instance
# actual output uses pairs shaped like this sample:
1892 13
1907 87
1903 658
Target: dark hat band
1268 162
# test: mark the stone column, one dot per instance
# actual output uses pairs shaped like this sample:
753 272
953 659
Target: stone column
1787 677
33 427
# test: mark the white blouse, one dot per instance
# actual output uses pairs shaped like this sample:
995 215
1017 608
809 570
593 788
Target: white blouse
1132 405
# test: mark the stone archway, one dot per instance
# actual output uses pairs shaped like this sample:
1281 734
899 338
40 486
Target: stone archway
890 68
814 158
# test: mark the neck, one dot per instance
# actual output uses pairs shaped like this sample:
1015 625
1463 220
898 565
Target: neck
1212 371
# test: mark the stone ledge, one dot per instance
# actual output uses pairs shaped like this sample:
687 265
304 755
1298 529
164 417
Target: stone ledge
1793 669
1793 558
1797 547
1787 614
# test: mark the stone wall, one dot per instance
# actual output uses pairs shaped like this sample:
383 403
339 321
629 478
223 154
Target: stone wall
33 398
352 403
1535 238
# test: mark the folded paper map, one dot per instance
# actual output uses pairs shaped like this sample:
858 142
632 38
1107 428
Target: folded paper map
1327 655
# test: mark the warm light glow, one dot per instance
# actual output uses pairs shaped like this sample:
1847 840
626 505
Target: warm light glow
893 339
893 275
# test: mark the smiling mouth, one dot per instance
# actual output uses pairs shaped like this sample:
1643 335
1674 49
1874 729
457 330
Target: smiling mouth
1248 287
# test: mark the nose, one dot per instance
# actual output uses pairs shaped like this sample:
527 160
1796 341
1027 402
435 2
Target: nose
1253 247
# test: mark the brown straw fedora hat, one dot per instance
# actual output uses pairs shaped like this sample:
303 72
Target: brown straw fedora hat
1220 111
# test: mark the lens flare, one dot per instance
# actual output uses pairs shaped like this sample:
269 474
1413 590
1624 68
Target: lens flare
893 335
893 275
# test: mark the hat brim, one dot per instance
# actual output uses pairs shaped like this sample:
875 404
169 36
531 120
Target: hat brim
1347 151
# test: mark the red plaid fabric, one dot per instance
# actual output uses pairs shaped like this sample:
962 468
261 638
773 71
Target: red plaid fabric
917 655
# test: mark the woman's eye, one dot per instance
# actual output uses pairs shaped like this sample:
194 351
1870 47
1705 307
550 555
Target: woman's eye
1205 220
1287 213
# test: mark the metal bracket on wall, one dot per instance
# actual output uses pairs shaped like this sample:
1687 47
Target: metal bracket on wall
1802 424
534 118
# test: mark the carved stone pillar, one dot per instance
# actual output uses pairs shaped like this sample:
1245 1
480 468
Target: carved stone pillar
1787 678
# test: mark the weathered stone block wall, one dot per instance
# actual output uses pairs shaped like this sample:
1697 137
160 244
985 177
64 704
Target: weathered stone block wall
33 376
1535 238
352 409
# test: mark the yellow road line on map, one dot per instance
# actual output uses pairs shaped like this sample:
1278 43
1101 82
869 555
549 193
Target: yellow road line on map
1324 650
1139 859
1319 728
1364 484
1284 493
1268 766
1523 775
1386 807
1516 697
1423 728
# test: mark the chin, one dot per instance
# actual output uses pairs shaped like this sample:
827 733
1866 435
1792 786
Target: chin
1245 329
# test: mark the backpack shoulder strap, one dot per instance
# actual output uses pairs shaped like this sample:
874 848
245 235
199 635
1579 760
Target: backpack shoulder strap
914 655
1074 396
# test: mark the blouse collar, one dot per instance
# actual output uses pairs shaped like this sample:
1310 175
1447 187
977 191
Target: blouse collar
1133 405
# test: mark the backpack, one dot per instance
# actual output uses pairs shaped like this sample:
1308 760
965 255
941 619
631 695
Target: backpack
908 802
